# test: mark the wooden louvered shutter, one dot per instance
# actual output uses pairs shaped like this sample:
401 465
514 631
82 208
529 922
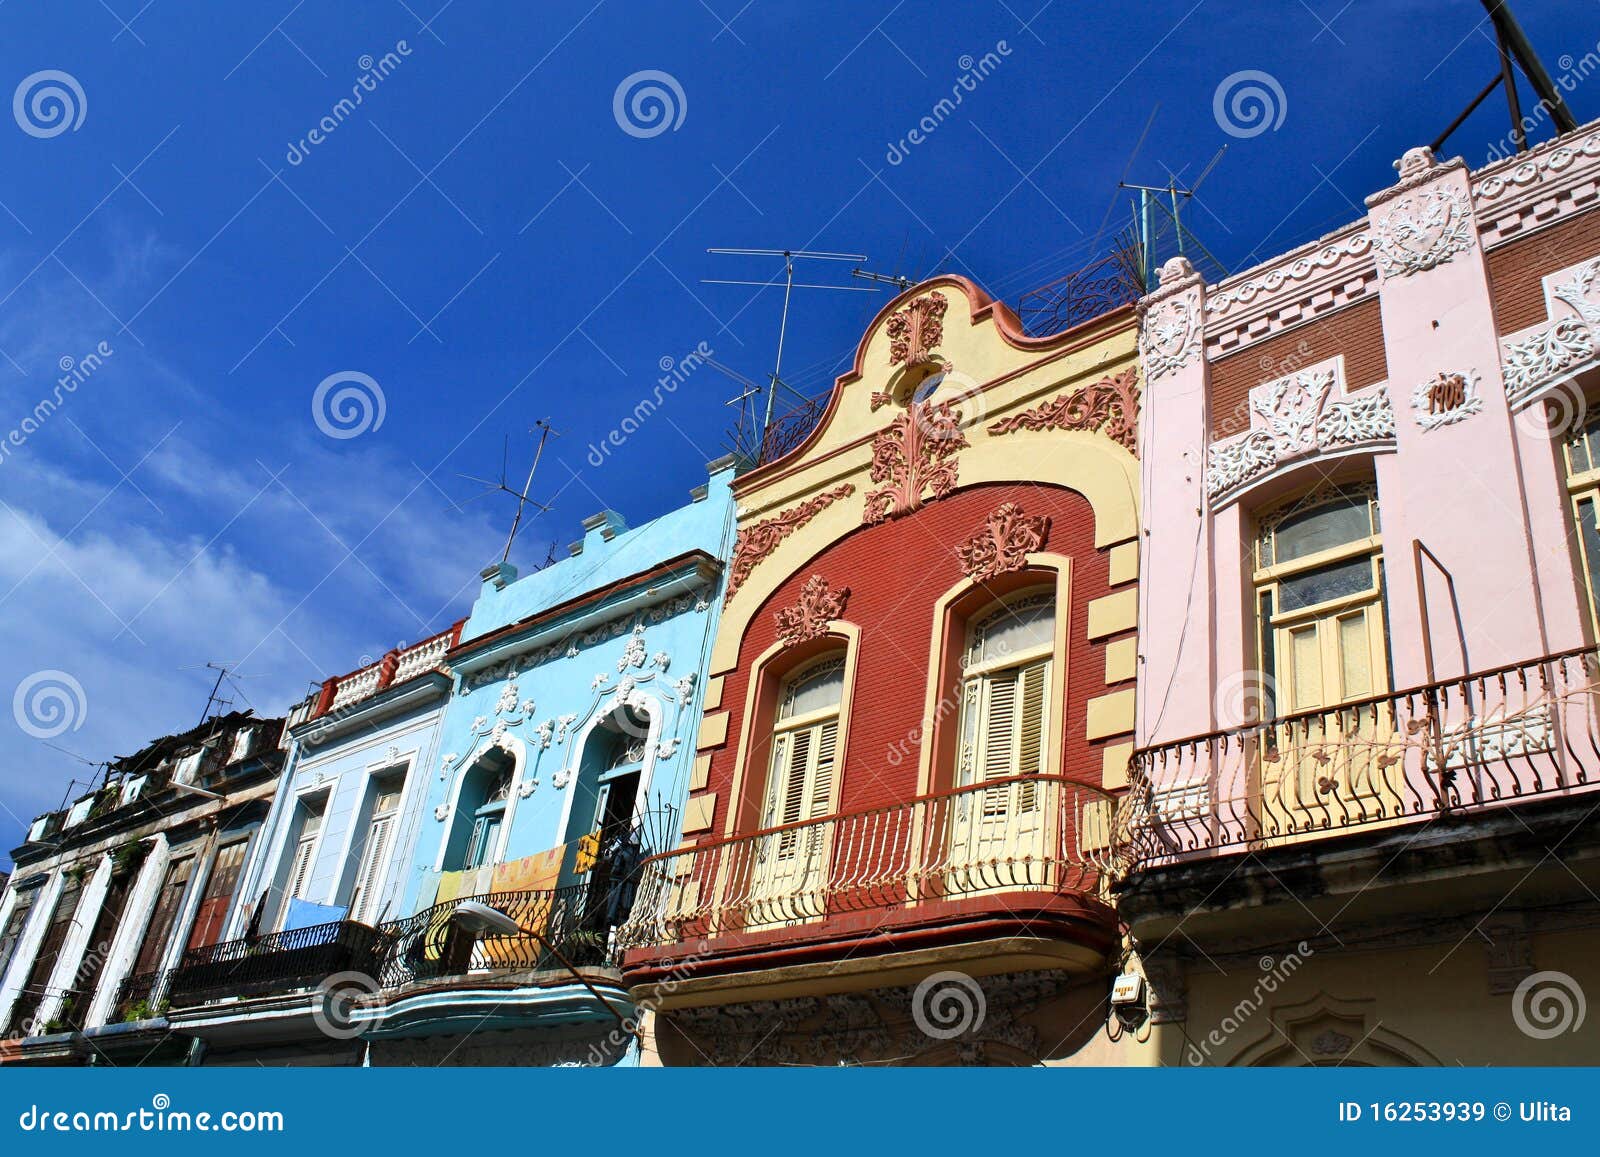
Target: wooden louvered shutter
376 854
300 877
821 793
218 895
1000 727
1035 684
792 803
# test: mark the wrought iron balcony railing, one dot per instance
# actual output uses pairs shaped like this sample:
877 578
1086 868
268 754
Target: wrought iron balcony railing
433 945
1030 833
277 963
141 996
1512 734
1080 296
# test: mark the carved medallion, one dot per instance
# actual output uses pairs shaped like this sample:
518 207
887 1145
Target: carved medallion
1003 545
1422 230
916 329
756 542
1109 406
914 454
809 618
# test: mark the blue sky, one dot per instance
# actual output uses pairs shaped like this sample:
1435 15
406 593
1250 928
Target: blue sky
483 239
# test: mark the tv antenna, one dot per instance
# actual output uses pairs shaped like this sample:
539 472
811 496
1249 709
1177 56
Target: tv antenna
789 285
546 432
1168 200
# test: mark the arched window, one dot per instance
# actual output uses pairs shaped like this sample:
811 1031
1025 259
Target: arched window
480 812
1005 708
805 740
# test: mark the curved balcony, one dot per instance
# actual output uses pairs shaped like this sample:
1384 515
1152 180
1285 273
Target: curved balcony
438 975
1512 735
1002 877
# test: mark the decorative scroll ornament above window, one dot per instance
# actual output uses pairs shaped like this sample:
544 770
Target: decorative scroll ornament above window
915 453
1004 543
1544 357
1303 414
1579 292
1422 230
756 542
1109 406
1170 324
809 618
1446 398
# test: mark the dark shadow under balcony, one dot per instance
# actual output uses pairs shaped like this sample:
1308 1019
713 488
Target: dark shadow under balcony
1001 877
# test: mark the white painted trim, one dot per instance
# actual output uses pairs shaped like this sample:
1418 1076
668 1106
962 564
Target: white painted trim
69 962
130 933
28 945
204 853
639 701
519 755
402 766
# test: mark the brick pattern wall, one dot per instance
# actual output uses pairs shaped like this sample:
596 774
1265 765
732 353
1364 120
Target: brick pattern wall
896 572
1357 333
1516 269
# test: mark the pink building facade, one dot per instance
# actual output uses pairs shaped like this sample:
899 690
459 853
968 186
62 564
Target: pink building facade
1367 606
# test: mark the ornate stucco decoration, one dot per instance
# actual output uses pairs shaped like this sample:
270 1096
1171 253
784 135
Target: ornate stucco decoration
809 617
1170 323
1535 166
916 329
1003 544
756 542
1415 228
1578 292
915 453
1296 416
1544 357
570 648
1109 406
1446 398
1330 257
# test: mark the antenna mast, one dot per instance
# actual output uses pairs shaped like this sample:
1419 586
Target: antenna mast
546 431
789 285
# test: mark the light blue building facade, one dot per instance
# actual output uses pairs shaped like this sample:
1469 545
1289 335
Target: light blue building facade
565 754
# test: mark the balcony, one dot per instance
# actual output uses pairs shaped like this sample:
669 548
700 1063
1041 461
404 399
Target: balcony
273 965
1446 750
1003 876
439 976
345 693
